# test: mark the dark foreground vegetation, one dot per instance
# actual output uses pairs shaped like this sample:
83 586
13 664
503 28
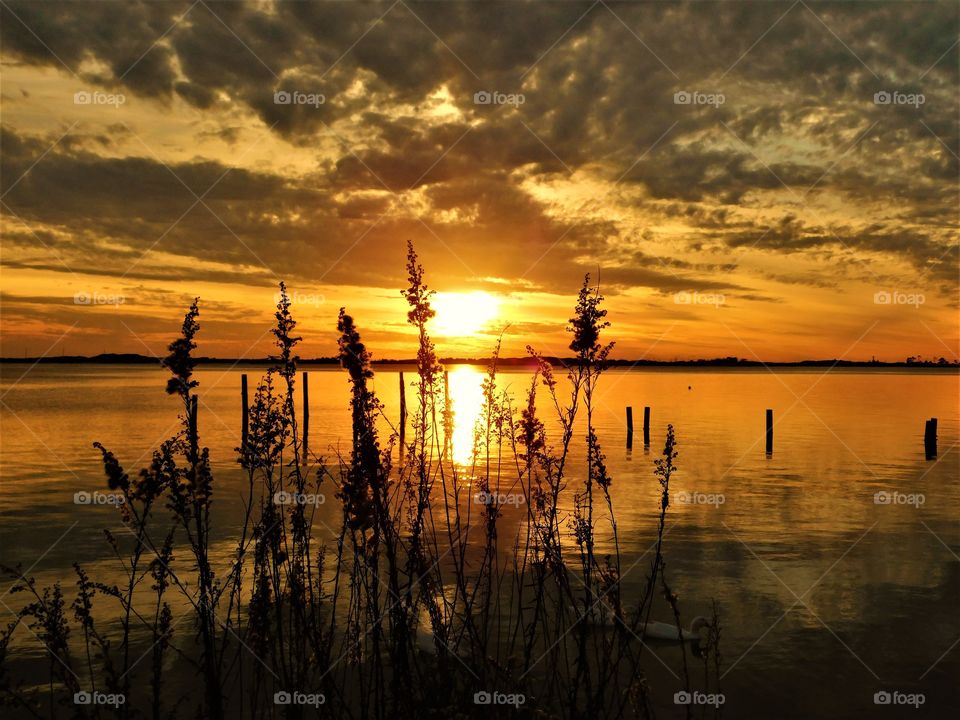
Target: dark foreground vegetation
423 602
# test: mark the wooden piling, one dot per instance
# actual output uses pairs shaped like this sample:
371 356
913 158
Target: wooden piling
930 439
646 426
769 431
194 435
629 427
306 414
245 410
403 413
446 411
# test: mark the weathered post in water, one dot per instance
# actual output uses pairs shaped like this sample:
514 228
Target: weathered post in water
446 410
194 436
646 426
769 431
245 409
930 439
403 413
306 414
629 427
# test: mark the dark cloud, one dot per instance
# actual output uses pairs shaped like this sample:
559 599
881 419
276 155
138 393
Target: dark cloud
798 131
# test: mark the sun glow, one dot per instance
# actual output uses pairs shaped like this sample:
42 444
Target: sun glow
466 402
463 314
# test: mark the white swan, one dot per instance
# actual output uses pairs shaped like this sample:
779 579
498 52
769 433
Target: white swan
603 616
665 631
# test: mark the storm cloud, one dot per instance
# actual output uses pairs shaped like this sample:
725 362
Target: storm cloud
734 147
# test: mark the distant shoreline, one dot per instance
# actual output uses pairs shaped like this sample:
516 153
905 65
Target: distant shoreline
721 363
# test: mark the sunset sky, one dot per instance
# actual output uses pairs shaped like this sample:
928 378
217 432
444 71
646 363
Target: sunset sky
774 180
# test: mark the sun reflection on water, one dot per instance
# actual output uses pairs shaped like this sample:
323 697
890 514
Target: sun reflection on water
466 401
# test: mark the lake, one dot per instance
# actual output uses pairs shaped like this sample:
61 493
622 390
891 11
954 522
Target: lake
833 560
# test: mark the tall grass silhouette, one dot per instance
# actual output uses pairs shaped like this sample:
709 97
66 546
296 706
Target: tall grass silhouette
424 601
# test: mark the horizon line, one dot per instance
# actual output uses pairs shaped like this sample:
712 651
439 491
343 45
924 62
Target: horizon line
728 361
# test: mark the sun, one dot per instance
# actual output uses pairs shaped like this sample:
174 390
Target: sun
463 314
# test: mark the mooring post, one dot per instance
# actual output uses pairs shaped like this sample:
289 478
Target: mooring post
646 426
769 431
446 410
306 413
403 413
629 427
245 410
930 439
194 437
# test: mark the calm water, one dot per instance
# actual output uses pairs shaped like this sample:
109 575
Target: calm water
826 596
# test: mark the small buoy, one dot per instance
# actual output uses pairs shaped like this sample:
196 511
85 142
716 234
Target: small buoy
689 387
